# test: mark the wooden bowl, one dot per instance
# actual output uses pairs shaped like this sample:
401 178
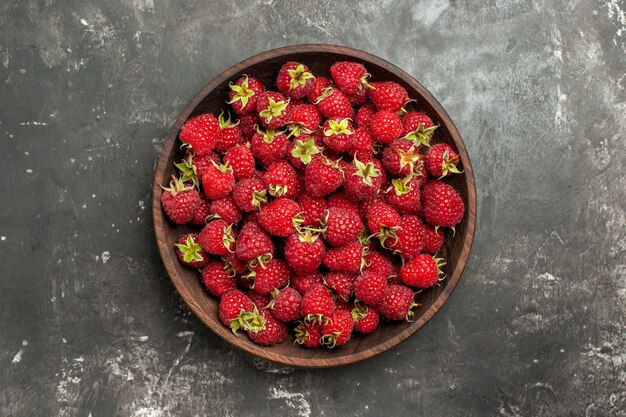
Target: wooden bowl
211 98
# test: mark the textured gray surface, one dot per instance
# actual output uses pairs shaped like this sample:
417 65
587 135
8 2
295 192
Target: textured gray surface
89 323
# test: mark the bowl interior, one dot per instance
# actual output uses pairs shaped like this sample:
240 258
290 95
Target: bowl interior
212 99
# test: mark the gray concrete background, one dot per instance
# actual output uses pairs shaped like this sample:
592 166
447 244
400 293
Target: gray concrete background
91 326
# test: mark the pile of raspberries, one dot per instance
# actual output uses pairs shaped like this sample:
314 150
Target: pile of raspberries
320 208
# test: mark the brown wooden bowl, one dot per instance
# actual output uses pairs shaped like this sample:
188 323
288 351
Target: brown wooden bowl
211 98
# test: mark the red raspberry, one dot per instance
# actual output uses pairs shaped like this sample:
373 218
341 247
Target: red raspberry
350 77
442 205
308 335
433 239
218 238
304 118
386 126
404 195
273 332
322 177
364 115
189 252
341 282
334 103
180 201
365 318
359 98
313 209
388 95
418 128
269 146
362 144
383 222
377 263
226 209
442 160
338 329
247 123
364 179
281 180
304 252
237 311
285 305
422 271
230 134
203 211
249 195
279 218
253 242
365 205
338 134
233 264
348 258
302 282
244 94
409 238
319 85
273 109
241 160
401 157
342 226
370 288
317 305
397 303
218 181
301 150
261 301
268 276
295 80
200 133
217 279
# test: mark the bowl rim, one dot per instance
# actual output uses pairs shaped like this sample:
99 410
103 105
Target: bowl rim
471 204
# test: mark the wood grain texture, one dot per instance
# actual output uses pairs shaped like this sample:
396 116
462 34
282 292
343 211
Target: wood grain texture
211 98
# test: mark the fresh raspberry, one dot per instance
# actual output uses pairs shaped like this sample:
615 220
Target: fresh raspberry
217 279
304 252
338 330
397 303
341 282
225 209
350 77
383 222
244 94
421 174
442 160
218 181
341 304
308 335
334 103
269 146
442 205
377 263
279 218
268 276
295 80
302 282
218 238
202 163
367 202
338 134
322 177
301 150
364 179
370 287
401 157
230 134
241 160
200 133
304 118
319 85
365 318
261 301
203 211
423 271
273 109
281 180
247 123
189 252
433 239
237 311
386 126
313 209
253 242
273 332
359 98
364 115
388 95
285 305
233 264
317 305
362 144
404 195
341 201
409 239
342 226
249 195
180 201
418 128
348 258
